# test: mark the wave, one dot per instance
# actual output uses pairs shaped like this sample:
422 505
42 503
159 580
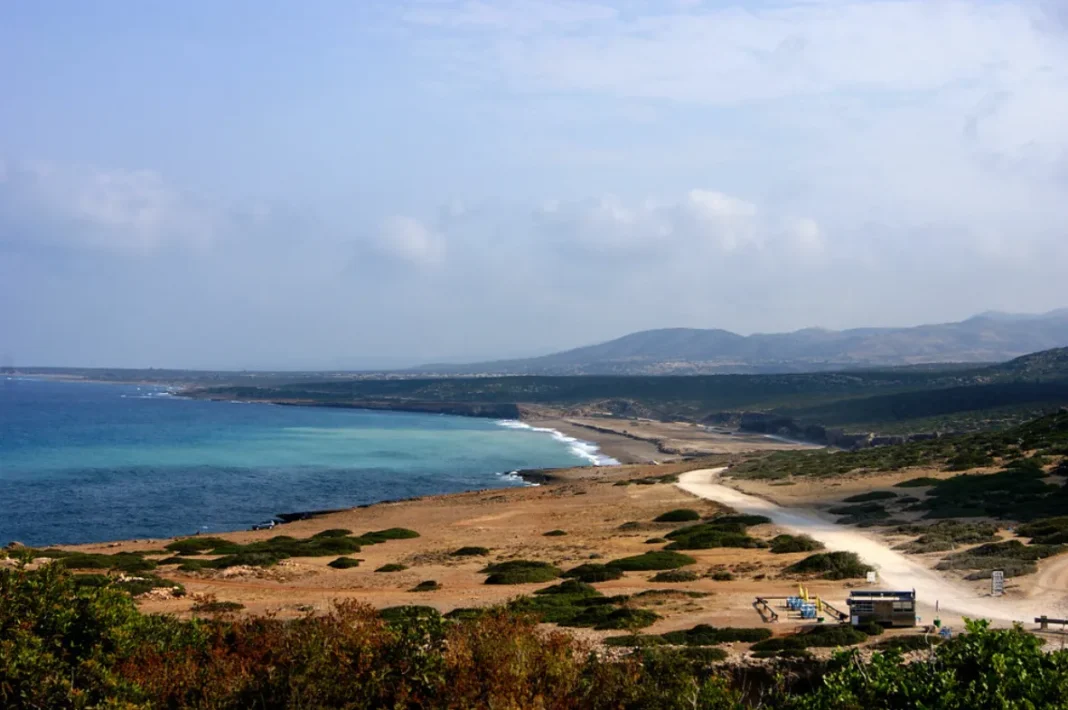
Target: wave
583 449
514 478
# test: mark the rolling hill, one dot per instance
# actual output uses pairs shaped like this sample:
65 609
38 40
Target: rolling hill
989 337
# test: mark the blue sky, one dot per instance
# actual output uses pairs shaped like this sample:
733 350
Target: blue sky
331 184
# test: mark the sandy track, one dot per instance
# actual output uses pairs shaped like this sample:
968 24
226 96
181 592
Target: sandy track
896 570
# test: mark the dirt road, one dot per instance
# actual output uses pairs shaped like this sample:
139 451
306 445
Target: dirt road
896 570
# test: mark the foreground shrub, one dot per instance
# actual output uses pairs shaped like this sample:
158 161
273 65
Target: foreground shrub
679 515
391 567
213 606
652 561
520 572
784 544
831 565
344 563
675 575
594 572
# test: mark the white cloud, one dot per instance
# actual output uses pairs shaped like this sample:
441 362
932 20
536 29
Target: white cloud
92 208
409 240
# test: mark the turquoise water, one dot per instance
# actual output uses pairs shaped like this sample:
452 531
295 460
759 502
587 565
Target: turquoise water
84 462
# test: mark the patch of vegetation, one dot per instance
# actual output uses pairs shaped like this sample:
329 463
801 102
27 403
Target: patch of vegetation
555 533
905 644
195 545
1017 493
728 531
594 572
428 585
345 563
1013 557
471 552
919 482
676 575
946 535
392 567
70 646
705 635
785 544
831 565
577 604
871 496
213 606
631 525
467 613
655 541
144 583
722 575
377 536
333 532
796 645
652 561
128 562
520 572
1047 531
409 614
635 641
679 515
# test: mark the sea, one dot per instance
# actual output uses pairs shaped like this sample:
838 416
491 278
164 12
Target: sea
88 462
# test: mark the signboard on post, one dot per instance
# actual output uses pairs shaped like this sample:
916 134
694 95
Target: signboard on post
871 577
997 583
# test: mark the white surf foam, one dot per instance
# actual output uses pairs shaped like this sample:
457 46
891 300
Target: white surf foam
583 449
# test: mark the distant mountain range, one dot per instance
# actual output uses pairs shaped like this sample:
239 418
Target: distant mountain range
988 337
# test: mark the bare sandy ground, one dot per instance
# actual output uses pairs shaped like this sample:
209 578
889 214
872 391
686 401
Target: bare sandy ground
895 569
646 441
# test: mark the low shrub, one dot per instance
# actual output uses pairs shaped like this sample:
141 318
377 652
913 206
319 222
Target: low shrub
555 533
379 536
833 636
679 515
631 525
594 572
904 644
919 482
471 552
703 655
344 563
710 535
408 613
520 572
655 541
332 532
635 641
213 606
1047 531
428 585
722 575
831 565
571 587
392 567
705 635
1012 557
785 544
652 561
946 535
675 575
868 497
195 545
627 618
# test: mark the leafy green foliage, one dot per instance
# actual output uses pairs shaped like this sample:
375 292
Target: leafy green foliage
344 563
128 562
705 635
652 561
213 606
1047 531
675 575
1012 557
785 544
1017 493
726 531
594 572
428 585
946 535
870 496
520 572
679 515
831 565
391 567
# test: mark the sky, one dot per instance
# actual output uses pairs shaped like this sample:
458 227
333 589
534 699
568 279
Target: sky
315 185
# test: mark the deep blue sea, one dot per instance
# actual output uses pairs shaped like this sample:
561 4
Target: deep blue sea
85 462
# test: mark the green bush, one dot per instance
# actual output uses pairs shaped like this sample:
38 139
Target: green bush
195 545
332 532
946 535
520 572
710 535
344 563
212 606
919 482
626 618
1047 531
555 533
679 515
379 536
722 575
785 544
593 572
868 497
428 585
409 613
675 575
705 635
391 567
572 587
655 541
831 565
471 552
652 561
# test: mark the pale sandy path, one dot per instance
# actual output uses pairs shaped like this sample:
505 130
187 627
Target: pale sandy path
896 570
